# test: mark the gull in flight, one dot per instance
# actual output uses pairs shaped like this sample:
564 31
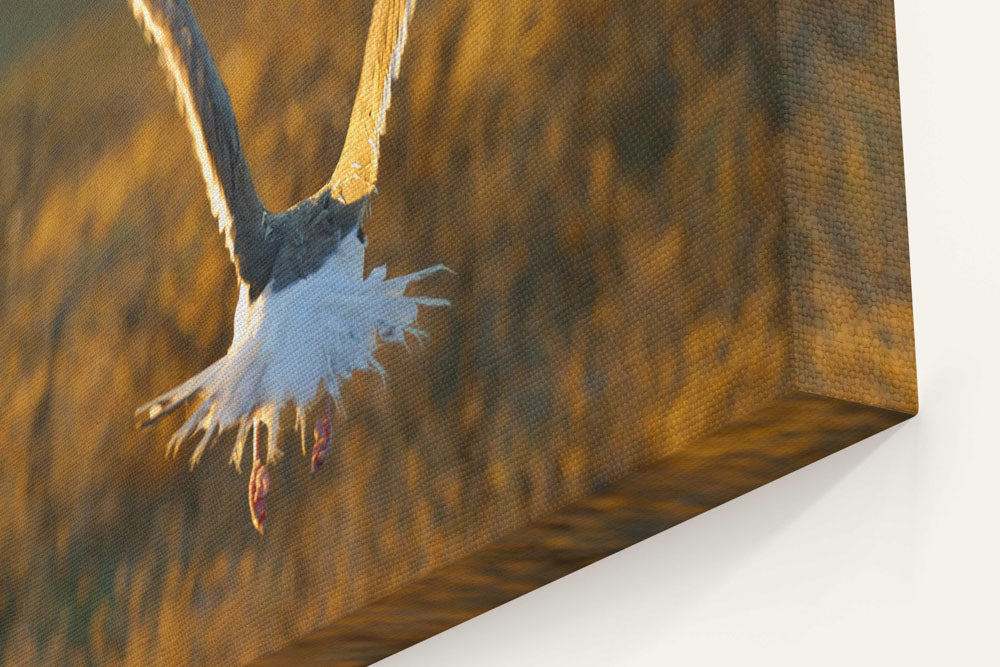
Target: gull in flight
307 317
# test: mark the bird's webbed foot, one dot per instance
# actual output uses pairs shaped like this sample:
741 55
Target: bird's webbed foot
260 485
323 435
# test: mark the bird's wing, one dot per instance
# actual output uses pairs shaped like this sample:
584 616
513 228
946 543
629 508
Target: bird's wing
357 169
205 105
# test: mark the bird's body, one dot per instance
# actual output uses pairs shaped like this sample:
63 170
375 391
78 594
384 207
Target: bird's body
307 317
289 338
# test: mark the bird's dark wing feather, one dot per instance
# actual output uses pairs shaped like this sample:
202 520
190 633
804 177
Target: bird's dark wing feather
356 171
209 114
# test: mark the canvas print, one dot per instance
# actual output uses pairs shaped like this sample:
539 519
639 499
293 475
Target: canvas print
329 324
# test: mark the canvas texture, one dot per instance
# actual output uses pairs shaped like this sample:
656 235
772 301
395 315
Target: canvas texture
660 218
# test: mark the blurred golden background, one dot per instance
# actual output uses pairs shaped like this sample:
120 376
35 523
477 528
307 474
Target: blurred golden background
600 177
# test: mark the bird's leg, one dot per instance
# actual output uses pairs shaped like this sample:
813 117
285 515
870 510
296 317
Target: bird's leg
260 484
323 435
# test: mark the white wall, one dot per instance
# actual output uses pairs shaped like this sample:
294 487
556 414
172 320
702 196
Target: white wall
885 553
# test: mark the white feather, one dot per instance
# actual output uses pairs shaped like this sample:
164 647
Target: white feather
317 330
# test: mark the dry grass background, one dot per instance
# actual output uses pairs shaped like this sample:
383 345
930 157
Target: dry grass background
598 177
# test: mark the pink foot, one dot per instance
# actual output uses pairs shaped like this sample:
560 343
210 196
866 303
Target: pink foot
260 484
322 434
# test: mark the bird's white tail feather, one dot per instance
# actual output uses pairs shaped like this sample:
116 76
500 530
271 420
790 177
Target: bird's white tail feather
286 344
